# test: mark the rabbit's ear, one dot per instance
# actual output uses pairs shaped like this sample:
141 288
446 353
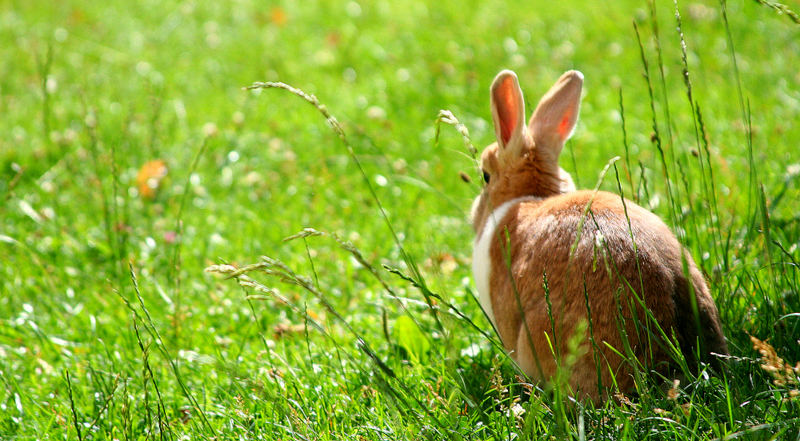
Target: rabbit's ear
508 112
554 119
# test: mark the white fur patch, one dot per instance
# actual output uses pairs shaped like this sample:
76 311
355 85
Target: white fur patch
481 261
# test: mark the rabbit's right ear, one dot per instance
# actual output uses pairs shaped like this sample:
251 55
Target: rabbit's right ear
508 112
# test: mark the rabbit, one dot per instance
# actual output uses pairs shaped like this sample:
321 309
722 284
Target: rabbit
618 288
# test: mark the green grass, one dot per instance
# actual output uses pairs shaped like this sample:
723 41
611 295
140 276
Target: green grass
110 327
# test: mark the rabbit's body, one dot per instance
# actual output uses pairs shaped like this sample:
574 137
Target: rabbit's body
536 238
602 267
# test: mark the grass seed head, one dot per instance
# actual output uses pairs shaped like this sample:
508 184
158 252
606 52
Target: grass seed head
783 374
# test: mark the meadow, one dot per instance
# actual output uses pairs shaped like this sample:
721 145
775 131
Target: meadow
183 256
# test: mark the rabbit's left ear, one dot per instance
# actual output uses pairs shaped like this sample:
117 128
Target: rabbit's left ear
508 112
554 119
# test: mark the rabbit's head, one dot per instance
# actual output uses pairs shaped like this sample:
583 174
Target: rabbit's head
524 160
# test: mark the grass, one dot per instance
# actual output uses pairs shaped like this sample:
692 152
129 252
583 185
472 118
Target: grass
365 326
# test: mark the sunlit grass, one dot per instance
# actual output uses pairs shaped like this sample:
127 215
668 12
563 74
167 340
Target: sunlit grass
111 329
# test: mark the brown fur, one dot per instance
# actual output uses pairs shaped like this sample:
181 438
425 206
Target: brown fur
539 238
636 295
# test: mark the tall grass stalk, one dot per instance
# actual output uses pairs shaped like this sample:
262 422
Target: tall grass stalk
656 137
175 264
143 316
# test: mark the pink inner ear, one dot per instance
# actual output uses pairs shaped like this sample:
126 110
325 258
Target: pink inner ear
506 123
507 109
564 126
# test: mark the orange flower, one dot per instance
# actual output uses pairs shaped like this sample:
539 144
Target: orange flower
278 16
149 178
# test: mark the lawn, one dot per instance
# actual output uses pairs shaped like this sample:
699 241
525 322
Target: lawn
138 174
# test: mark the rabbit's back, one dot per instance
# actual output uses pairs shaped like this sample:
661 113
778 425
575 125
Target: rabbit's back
593 271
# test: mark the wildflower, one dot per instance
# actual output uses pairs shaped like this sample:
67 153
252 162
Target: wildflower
150 176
